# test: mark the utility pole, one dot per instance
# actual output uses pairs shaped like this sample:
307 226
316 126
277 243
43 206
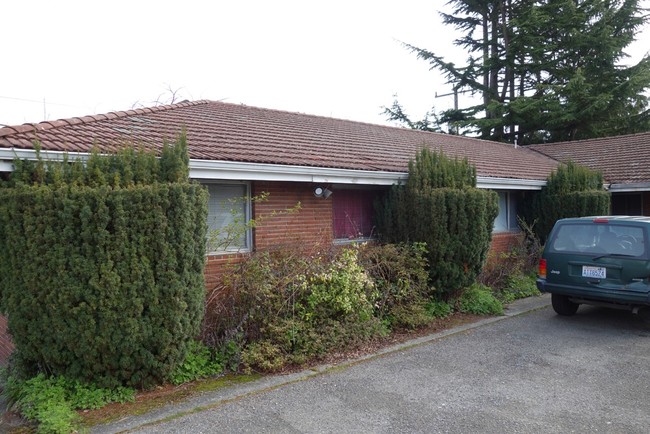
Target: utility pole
453 129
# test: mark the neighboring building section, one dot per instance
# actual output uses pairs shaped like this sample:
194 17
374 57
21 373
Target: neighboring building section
624 162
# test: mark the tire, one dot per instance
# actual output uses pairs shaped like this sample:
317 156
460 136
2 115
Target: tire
563 306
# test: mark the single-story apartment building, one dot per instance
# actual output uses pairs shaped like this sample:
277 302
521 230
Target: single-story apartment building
624 162
335 168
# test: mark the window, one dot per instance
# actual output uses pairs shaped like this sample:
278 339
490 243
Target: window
228 216
627 204
354 213
507 218
599 239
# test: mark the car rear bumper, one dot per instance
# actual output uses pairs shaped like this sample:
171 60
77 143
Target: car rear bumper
617 296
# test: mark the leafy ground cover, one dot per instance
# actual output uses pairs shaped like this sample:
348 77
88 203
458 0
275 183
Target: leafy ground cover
161 396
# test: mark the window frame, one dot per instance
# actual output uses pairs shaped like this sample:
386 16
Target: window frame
248 210
511 213
362 188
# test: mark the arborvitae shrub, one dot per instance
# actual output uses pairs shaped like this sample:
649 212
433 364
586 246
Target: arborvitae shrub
439 205
570 191
102 265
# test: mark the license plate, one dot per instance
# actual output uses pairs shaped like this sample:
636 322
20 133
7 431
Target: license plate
597 272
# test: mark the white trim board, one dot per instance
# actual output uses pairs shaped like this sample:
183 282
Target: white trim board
232 170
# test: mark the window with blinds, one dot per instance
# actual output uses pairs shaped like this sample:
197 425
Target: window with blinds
506 221
354 213
228 217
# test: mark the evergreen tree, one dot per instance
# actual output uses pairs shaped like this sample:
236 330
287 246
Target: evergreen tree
546 71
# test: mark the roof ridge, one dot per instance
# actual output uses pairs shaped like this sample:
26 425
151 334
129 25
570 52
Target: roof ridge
391 127
76 120
594 139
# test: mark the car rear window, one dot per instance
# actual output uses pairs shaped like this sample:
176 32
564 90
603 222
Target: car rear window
599 239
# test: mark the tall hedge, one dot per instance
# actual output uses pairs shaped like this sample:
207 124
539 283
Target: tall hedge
441 206
101 265
571 191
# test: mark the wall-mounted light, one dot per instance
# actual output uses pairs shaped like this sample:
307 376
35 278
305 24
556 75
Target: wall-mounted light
322 192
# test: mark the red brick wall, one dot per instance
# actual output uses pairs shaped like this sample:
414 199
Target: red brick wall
503 241
310 226
216 264
306 228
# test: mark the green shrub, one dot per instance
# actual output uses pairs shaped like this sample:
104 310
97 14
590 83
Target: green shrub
101 266
519 286
56 418
401 288
200 362
439 309
339 292
287 308
258 294
479 300
440 206
409 316
399 272
265 356
51 401
432 170
570 191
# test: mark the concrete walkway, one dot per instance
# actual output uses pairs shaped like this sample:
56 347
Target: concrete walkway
215 398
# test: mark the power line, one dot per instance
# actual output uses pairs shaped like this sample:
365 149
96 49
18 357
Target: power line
43 101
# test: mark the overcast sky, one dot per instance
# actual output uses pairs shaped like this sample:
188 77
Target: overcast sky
338 58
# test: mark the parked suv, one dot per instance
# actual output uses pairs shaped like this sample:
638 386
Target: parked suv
597 260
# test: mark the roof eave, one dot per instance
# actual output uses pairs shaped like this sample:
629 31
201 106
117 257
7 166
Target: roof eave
232 170
631 187
509 183
214 169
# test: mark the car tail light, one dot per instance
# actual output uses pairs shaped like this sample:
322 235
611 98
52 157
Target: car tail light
542 268
601 220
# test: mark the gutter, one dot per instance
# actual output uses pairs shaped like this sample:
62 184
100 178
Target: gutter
633 187
242 171
509 183
230 170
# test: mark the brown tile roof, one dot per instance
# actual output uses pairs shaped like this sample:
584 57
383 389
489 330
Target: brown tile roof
621 159
230 132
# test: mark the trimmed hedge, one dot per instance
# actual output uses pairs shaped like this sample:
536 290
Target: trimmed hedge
102 279
454 221
571 191
553 207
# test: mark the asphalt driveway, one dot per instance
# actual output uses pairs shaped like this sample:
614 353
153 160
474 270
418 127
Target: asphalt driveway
531 372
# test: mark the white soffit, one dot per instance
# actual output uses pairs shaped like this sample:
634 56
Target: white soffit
509 183
230 170
626 188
